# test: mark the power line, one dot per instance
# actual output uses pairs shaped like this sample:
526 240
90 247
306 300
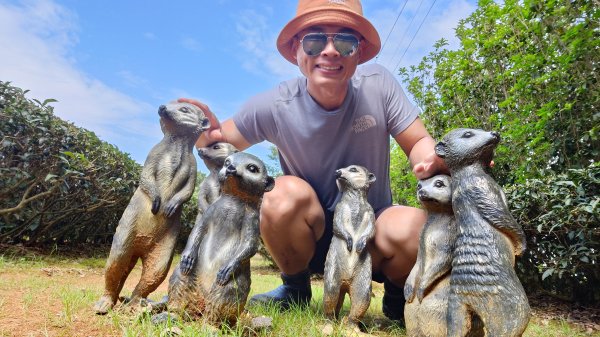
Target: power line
390 32
404 34
413 38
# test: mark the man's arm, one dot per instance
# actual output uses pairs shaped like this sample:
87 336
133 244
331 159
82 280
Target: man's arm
218 132
419 146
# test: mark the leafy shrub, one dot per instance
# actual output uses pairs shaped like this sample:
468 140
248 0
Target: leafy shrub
58 183
561 217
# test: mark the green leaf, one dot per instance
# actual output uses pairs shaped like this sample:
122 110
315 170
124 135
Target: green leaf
50 176
547 273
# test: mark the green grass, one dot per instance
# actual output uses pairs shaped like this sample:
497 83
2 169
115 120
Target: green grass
76 300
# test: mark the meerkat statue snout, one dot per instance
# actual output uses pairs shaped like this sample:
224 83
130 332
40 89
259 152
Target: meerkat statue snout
348 262
213 279
483 281
150 224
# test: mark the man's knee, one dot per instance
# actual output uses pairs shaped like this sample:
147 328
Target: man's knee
291 200
398 229
396 241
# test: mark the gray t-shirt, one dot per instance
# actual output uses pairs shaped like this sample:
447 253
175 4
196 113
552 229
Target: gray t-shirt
313 142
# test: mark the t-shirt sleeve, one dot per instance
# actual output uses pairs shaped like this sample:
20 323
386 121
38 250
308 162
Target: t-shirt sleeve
255 120
400 112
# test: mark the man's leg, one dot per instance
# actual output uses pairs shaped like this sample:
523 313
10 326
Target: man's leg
394 253
291 222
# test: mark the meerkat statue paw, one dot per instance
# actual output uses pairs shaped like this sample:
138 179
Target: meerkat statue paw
187 263
155 205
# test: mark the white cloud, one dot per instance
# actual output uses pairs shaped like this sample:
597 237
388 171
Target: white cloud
191 44
258 40
37 37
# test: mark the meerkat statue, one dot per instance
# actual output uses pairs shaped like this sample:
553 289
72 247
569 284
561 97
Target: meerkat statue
483 281
348 262
150 224
429 280
213 280
210 189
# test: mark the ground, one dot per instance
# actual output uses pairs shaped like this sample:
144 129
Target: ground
42 295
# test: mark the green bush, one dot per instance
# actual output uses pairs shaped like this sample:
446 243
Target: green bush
561 216
58 183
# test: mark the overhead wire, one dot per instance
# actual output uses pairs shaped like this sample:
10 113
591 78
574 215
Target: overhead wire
404 34
390 32
417 32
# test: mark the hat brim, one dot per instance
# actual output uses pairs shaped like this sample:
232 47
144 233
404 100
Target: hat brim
328 16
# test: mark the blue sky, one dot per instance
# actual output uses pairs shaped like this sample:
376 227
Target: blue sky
110 64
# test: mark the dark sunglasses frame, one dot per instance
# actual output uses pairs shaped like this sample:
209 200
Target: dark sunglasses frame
337 38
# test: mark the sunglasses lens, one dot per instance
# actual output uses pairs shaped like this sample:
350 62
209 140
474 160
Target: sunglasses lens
313 44
345 44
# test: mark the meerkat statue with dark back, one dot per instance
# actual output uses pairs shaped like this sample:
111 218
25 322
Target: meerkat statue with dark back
483 281
213 280
150 224
348 262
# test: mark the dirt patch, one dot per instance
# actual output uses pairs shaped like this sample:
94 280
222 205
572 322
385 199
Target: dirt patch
55 301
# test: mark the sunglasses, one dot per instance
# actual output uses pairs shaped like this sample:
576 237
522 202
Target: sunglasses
345 43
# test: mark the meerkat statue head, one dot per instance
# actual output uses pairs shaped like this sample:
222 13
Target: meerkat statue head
435 193
463 147
354 177
245 175
214 154
182 119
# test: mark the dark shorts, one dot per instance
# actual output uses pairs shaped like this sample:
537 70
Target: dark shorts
317 263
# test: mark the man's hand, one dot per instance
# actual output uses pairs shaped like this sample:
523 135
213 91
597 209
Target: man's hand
213 133
430 166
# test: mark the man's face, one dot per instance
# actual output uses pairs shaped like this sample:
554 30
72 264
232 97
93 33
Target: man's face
327 68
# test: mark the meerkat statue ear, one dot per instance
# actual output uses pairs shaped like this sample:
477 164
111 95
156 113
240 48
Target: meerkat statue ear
372 178
269 183
440 149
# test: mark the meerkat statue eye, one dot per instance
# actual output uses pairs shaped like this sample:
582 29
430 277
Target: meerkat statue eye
467 134
439 184
252 168
227 162
353 169
216 147
184 109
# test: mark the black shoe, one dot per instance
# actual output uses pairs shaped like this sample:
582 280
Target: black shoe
393 302
295 290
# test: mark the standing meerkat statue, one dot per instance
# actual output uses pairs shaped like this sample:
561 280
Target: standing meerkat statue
213 280
214 157
150 224
483 281
428 284
348 262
